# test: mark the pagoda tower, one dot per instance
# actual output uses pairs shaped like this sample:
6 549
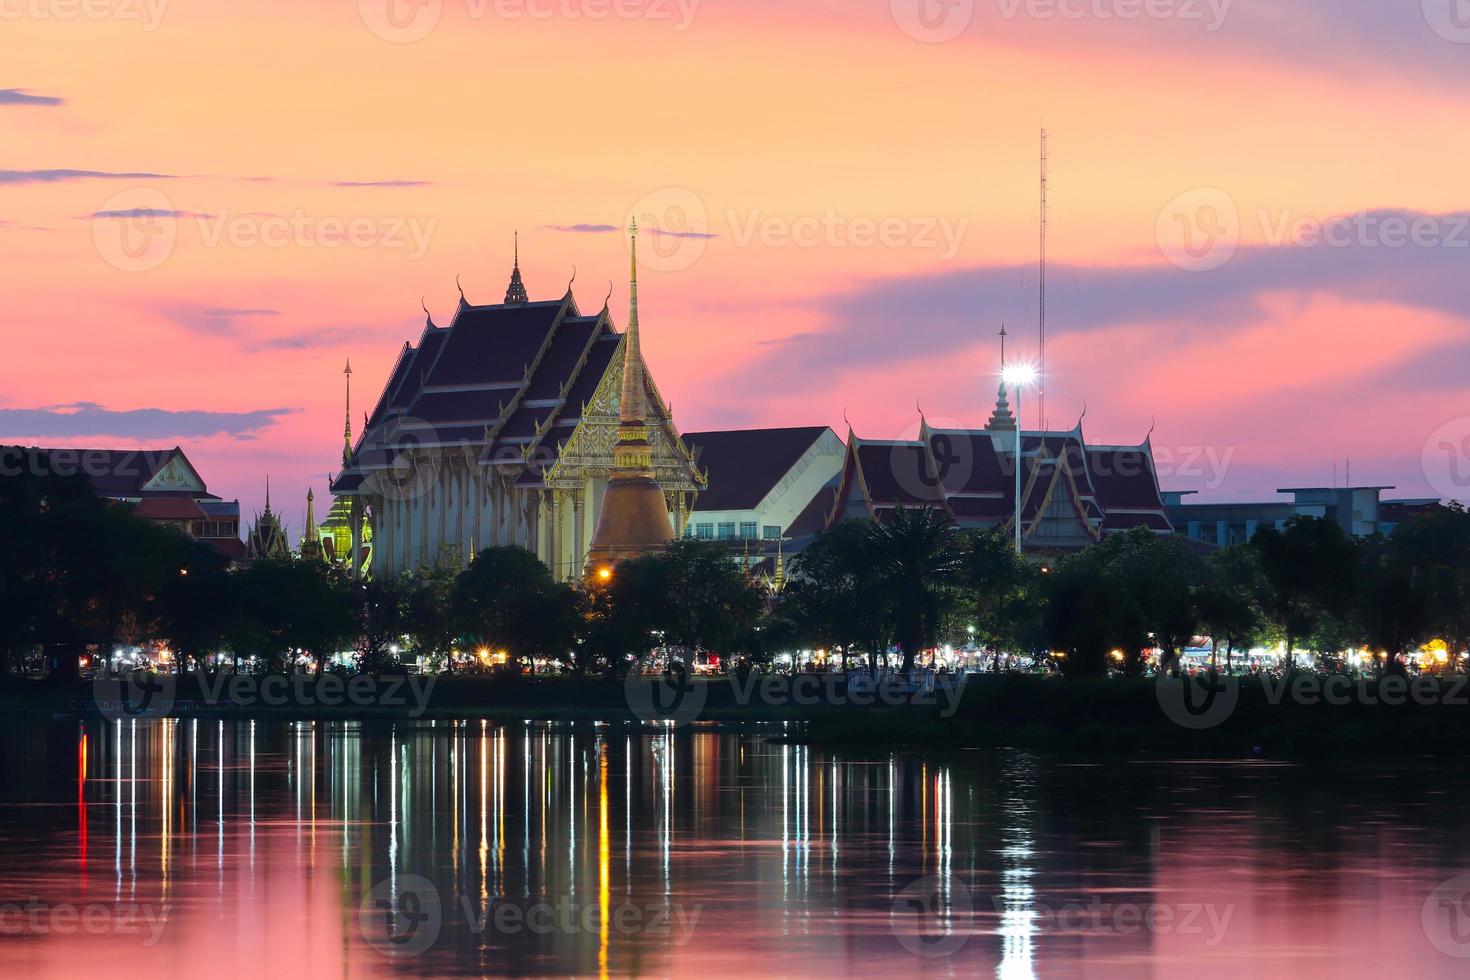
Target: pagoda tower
635 514
311 544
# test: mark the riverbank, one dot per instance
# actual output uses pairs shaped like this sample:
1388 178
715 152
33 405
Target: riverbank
1309 716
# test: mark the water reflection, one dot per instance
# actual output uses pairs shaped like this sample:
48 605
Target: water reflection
281 849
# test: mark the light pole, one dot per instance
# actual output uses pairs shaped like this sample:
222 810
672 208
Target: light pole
1017 376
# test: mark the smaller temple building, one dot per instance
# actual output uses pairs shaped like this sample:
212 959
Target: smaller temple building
1072 492
162 486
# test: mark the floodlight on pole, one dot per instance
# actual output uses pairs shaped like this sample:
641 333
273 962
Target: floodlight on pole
1017 376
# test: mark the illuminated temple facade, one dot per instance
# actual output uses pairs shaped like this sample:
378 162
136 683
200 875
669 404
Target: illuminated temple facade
500 429
1072 493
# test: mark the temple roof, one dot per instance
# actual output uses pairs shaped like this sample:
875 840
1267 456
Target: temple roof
121 472
498 379
970 474
744 465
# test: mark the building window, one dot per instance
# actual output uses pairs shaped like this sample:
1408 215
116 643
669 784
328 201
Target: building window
704 531
747 529
771 532
727 530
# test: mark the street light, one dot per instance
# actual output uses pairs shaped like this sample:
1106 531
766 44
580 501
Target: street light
1018 376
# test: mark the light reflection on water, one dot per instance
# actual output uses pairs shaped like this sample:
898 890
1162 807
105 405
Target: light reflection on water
261 848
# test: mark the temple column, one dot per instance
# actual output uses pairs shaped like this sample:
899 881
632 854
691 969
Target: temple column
554 542
577 548
356 512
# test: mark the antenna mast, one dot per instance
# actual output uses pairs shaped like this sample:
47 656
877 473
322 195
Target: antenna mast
1041 321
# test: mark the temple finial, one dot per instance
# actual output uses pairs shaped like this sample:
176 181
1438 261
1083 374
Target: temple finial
572 280
428 317
347 423
462 300
1002 346
267 493
631 407
516 291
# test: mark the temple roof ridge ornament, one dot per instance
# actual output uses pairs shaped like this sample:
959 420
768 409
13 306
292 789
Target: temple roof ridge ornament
516 291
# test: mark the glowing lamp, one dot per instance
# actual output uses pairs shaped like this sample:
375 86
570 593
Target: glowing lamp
1017 375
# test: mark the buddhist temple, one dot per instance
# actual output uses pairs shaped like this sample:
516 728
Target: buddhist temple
635 514
507 427
267 538
1072 493
335 533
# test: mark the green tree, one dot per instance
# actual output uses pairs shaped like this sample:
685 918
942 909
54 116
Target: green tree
429 618
999 589
691 596
1392 604
1436 546
835 596
507 600
1230 604
1308 572
918 559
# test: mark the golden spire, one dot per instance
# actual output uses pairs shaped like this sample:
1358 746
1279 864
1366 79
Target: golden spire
631 407
310 513
347 426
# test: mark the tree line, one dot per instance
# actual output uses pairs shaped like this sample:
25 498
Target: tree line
81 576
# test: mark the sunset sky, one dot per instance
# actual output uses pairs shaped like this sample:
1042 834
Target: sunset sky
206 207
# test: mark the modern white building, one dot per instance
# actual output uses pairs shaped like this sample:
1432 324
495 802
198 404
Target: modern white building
764 484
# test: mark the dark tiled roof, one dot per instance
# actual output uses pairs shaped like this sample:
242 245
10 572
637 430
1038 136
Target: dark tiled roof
744 465
471 376
970 473
813 516
112 472
495 343
1124 478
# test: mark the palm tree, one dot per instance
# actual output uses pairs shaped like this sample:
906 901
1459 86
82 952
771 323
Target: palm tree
918 557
